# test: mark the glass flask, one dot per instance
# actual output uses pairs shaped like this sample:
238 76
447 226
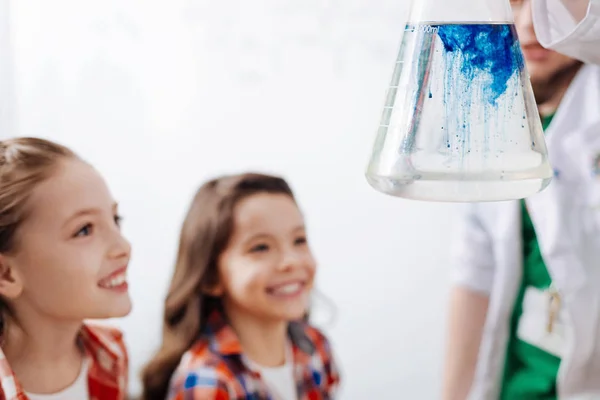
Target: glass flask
460 122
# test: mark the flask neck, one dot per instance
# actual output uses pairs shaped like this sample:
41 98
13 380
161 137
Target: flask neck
460 11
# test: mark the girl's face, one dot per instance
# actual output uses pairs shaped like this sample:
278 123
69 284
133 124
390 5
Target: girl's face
70 257
267 270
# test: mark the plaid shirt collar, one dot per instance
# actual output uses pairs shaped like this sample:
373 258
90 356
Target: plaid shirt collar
107 376
215 367
224 341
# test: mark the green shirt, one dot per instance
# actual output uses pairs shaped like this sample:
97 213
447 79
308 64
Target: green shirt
529 373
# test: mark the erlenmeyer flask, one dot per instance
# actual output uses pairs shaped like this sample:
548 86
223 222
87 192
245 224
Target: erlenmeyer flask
460 122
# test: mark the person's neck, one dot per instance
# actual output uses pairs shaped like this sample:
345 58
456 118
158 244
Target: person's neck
550 106
44 354
555 91
263 341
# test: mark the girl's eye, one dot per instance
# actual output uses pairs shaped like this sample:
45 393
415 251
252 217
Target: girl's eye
118 220
86 230
300 240
259 248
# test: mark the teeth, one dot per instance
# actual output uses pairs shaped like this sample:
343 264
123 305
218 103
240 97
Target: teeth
288 289
114 281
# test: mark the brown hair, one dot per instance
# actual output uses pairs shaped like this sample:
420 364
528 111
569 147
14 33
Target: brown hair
204 236
24 163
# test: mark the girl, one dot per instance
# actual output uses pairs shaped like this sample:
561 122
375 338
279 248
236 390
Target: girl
235 316
62 260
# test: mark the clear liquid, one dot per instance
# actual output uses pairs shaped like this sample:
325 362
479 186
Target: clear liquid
460 122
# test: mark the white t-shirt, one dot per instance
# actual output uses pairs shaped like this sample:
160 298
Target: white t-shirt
77 391
279 380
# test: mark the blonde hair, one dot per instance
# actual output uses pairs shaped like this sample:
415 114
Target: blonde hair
24 163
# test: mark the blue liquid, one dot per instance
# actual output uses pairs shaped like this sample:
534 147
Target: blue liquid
484 49
460 122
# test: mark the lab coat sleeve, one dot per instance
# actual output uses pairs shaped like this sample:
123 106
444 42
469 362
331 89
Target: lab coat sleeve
556 28
472 256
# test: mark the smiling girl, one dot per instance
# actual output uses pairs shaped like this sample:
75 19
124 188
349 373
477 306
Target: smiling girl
62 260
235 317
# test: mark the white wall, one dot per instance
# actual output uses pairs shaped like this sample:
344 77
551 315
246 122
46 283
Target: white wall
7 93
161 95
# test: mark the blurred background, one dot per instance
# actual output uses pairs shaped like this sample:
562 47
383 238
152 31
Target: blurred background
161 95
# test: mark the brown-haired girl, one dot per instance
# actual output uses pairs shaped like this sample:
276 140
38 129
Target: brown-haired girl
234 324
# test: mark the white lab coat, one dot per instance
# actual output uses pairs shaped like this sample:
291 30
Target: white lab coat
556 29
487 253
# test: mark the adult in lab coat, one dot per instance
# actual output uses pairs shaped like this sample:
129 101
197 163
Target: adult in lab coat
571 27
525 310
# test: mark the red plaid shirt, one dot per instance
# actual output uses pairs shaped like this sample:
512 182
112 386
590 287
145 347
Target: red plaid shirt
214 369
107 375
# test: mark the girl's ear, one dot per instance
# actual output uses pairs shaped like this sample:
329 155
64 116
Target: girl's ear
11 283
213 287
214 290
